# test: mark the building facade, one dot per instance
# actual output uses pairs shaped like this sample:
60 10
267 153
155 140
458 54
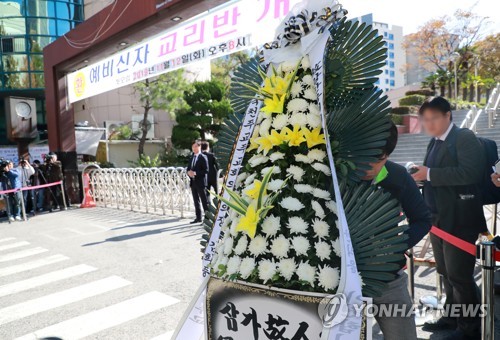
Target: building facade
393 75
26 27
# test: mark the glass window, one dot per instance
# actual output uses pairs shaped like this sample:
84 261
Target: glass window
386 90
64 10
391 46
391 64
37 80
392 73
10 8
41 26
12 26
41 8
12 44
391 36
63 27
16 80
386 71
14 63
36 62
385 34
37 43
391 55
387 81
377 82
393 83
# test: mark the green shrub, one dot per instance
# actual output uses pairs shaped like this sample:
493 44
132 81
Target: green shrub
415 99
463 105
397 119
422 92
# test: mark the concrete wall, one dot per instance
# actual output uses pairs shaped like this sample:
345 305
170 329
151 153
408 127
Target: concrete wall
121 152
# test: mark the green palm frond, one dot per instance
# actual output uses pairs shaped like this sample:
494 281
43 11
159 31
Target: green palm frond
354 59
373 218
358 132
208 224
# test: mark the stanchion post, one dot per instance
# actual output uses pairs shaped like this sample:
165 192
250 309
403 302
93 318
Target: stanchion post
487 293
23 207
63 194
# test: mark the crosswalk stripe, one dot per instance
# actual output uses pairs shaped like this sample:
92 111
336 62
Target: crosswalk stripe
37 281
19 268
21 254
7 239
99 320
14 245
164 336
65 297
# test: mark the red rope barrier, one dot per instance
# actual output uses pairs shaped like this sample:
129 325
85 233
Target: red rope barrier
31 188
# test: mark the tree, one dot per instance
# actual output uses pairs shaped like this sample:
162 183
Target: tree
222 68
163 93
208 107
488 51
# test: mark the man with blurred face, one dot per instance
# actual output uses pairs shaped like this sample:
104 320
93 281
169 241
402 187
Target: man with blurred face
451 175
197 171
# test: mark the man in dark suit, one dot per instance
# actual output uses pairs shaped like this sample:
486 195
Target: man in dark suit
213 168
451 175
396 180
197 171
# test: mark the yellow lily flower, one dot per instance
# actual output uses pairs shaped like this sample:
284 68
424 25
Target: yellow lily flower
255 190
273 105
314 137
276 85
294 137
248 223
266 143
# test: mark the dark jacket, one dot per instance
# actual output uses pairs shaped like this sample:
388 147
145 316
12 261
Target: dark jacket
455 184
213 167
201 169
54 172
402 187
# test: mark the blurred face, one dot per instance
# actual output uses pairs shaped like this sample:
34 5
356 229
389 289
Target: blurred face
375 169
11 166
435 123
195 148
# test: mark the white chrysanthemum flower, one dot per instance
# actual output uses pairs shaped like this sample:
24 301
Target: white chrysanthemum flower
361 279
316 155
314 121
239 180
280 247
322 168
291 204
323 250
247 266
233 265
234 224
297 105
267 269
314 109
258 246
332 206
228 245
288 66
264 127
318 209
308 80
322 194
280 121
257 160
296 172
275 184
303 188
328 277
321 228
271 225
306 63
241 246
276 156
297 225
221 261
226 224
301 245
250 179
310 94
287 268
298 118
307 273
264 171
336 247
296 89
300 158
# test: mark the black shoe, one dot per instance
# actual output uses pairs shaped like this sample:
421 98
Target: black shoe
196 221
459 334
440 324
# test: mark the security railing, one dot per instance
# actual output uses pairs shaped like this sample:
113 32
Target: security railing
491 109
164 190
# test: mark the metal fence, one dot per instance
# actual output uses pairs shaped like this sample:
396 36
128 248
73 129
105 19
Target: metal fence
161 190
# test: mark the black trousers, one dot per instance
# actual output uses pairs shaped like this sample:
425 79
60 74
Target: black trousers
214 187
457 269
199 196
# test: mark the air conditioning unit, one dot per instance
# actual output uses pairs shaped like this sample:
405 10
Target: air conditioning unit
112 127
138 122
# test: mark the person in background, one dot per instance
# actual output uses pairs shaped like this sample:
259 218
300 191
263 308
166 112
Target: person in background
197 171
452 174
36 180
15 198
25 171
53 174
396 180
213 169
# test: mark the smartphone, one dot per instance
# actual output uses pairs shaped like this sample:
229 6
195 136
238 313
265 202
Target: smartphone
497 167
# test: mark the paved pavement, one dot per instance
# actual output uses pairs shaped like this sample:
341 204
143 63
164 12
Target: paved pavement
108 274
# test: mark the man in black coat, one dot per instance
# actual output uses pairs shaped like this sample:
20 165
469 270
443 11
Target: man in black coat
452 174
213 168
197 171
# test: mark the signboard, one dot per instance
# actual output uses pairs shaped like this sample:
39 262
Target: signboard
38 152
10 153
235 27
87 140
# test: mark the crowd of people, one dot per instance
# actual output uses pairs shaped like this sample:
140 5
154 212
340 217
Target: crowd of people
24 176
445 192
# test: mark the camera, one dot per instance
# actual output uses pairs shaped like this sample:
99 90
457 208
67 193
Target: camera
48 158
3 166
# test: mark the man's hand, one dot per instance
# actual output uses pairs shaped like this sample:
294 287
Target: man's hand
496 179
421 174
191 173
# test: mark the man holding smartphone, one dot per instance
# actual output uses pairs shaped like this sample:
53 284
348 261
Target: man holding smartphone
495 177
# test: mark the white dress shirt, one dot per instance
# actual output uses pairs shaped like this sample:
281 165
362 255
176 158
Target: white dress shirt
443 138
